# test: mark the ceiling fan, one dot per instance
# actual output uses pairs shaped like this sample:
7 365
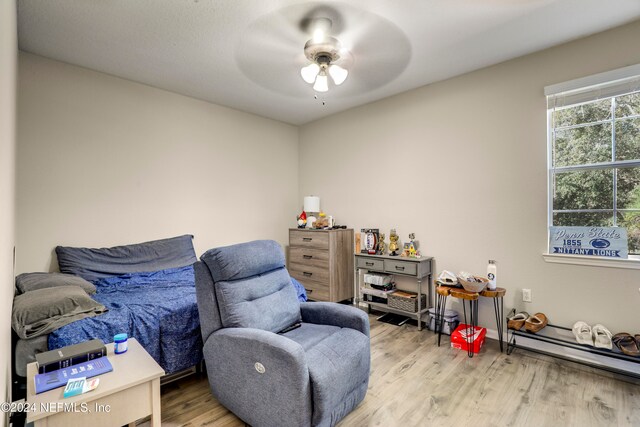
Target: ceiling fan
323 45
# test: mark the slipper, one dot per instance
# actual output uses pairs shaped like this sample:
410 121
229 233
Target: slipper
626 343
536 322
583 333
516 322
602 337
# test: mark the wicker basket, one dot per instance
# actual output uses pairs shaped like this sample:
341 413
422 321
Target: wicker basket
407 301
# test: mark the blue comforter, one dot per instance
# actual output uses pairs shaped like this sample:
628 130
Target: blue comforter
158 309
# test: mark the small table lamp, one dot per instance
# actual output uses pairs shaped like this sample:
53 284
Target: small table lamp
311 207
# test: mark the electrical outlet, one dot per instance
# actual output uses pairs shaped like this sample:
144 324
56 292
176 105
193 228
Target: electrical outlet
526 295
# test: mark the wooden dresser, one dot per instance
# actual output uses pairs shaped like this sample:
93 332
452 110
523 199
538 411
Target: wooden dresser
322 260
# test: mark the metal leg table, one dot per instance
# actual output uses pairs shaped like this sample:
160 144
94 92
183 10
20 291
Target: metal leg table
498 306
497 296
472 299
442 292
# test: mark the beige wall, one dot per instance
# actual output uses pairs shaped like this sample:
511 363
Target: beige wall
8 53
462 163
104 161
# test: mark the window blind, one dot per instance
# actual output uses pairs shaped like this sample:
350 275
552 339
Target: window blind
604 85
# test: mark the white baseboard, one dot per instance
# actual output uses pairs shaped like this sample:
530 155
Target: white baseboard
493 334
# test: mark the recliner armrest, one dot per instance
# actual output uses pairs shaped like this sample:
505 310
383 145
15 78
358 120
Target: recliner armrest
268 342
334 314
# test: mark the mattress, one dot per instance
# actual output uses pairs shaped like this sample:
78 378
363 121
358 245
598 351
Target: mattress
159 309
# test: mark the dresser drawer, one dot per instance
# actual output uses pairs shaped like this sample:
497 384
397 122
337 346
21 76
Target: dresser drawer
316 290
309 239
307 256
401 267
310 272
370 263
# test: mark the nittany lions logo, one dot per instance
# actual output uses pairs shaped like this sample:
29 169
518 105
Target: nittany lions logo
600 243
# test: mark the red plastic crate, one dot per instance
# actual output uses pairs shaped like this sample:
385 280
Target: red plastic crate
459 341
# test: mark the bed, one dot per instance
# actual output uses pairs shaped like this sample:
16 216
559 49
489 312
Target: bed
149 291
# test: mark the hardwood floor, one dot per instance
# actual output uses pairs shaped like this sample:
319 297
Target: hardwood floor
415 383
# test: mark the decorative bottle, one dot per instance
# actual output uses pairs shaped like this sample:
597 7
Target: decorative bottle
491 275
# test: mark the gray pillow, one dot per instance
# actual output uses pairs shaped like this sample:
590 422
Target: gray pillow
26 282
44 310
97 263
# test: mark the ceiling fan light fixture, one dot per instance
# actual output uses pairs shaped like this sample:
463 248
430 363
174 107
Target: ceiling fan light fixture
338 74
322 83
310 72
323 51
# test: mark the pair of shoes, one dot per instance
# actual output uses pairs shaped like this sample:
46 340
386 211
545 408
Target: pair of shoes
536 322
531 323
628 344
516 322
598 336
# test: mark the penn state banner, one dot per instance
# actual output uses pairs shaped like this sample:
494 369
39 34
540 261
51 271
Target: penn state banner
608 242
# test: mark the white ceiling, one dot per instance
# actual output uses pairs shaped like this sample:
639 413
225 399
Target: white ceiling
246 54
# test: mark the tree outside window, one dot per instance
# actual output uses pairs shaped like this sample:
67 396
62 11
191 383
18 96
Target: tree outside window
595 164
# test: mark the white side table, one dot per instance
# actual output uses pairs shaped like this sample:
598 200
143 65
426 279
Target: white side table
128 393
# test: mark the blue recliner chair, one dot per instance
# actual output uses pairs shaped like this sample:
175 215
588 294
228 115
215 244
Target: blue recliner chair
261 365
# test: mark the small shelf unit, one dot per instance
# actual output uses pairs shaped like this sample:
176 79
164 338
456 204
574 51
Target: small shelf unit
417 268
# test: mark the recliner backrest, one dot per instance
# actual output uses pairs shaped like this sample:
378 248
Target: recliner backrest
252 286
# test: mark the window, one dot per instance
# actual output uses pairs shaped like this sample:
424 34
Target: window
594 152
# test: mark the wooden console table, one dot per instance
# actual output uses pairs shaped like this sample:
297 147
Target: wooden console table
417 268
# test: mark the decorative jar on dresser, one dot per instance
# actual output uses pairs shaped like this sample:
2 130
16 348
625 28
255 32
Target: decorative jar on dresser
322 260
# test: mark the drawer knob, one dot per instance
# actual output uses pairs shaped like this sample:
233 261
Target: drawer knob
399 268
307 256
370 264
307 274
310 291
307 239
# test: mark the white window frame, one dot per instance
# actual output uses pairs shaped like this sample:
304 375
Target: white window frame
609 80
